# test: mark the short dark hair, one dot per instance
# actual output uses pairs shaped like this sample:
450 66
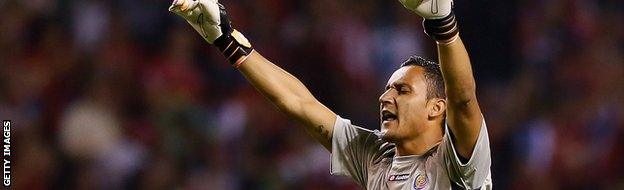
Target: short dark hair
433 75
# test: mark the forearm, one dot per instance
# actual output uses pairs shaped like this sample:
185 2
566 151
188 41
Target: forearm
279 86
290 96
457 72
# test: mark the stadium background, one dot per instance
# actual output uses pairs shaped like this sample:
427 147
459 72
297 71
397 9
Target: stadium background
123 94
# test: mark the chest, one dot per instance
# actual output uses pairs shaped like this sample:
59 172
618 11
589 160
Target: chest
415 175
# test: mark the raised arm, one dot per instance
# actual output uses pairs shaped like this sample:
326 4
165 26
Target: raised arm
463 113
290 96
464 116
209 19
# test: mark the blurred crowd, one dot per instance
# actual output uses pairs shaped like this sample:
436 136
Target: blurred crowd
122 94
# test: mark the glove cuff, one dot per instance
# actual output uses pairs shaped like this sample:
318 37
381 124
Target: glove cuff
234 46
443 30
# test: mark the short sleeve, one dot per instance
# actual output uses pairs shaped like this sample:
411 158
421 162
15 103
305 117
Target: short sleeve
353 150
474 173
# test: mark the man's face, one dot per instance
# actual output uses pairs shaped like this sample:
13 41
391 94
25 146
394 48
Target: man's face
404 109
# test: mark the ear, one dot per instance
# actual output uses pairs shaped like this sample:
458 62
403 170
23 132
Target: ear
438 107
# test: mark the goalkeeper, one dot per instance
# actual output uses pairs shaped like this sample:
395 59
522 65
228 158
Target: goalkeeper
432 133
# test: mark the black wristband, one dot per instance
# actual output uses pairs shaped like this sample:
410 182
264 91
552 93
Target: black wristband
234 46
443 29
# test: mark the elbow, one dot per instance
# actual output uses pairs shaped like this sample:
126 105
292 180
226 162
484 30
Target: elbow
462 96
293 105
285 104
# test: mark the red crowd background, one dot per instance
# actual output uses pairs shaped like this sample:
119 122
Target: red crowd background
122 94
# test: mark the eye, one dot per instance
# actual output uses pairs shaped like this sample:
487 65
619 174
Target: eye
403 90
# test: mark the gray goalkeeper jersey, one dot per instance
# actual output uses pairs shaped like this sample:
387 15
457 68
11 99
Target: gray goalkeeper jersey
360 154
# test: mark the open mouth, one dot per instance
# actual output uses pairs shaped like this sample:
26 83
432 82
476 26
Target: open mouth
388 116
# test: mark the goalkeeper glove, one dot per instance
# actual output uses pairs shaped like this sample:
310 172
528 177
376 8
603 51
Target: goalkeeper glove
439 20
209 19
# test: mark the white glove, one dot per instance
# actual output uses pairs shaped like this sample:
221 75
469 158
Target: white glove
203 15
429 9
209 19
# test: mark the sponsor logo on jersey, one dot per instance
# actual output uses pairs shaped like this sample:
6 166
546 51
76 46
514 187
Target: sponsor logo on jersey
420 182
399 177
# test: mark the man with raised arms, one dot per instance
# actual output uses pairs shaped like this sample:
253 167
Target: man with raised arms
432 135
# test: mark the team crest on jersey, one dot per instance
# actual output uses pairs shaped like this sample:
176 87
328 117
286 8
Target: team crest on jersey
420 182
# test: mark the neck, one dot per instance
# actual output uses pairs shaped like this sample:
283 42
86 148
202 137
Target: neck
420 144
